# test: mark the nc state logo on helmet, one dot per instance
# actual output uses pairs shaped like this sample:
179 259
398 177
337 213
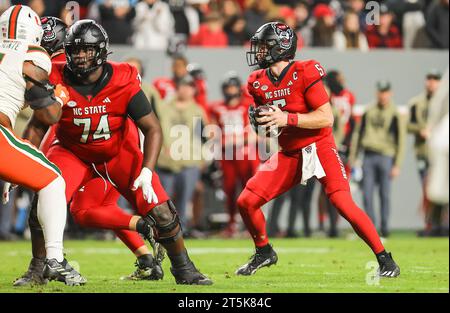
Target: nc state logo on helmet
285 33
54 34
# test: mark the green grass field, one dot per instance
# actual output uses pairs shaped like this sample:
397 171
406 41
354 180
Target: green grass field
305 265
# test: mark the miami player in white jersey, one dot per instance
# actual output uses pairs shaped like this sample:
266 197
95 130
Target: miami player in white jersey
24 74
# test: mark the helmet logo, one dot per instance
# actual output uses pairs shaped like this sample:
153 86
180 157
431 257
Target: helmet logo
49 33
284 33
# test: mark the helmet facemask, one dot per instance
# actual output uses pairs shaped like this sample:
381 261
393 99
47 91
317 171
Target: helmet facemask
259 53
83 59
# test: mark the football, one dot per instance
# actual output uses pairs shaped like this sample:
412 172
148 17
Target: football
262 129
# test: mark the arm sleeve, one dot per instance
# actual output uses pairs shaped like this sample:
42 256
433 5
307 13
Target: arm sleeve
139 106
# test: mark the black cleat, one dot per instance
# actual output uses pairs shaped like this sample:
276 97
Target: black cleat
260 259
388 267
33 276
63 272
189 275
146 272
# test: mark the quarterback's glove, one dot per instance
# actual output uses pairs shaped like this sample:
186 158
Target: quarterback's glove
144 181
7 188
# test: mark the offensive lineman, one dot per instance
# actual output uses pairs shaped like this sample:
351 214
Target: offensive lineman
93 142
24 70
297 105
148 268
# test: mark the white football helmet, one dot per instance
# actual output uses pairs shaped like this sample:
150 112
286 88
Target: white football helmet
20 22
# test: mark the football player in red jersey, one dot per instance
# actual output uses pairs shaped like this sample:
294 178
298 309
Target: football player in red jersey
301 112
94 141
91 196
231 116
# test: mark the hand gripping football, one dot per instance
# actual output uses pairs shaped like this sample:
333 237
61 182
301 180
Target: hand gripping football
259 128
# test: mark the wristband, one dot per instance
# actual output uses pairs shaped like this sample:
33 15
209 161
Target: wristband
292 119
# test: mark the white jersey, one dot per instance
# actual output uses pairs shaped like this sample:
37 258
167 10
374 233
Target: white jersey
13 54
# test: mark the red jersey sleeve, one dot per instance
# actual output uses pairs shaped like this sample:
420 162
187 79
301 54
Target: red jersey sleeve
253 85
135 81
314 89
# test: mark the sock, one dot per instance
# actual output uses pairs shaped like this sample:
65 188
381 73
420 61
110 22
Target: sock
145 260
265 250
179 260
52 213
360 221
250 208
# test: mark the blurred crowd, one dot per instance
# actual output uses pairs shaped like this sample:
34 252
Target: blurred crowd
371 145
341 24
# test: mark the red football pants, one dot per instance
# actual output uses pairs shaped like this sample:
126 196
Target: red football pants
283 171
93 206
96 204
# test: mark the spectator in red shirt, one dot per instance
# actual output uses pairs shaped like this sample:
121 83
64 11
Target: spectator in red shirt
386 34
211 33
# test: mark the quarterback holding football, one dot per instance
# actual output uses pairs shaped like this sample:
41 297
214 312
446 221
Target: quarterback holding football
300 115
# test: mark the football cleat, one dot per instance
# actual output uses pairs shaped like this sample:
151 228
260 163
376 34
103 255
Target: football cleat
388 267
63 272
259 260
145 272
189 275
33 276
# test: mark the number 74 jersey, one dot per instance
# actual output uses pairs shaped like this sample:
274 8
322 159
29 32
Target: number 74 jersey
93 126
299 89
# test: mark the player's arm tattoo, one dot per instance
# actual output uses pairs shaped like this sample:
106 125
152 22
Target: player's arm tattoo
151 128
49 114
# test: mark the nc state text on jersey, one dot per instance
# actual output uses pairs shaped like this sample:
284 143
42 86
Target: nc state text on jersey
98 109
278 93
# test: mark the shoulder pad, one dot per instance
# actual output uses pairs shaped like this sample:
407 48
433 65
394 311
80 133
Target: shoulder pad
39 57
312 72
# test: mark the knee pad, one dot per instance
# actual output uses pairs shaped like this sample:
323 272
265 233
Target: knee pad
165 222
33 220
